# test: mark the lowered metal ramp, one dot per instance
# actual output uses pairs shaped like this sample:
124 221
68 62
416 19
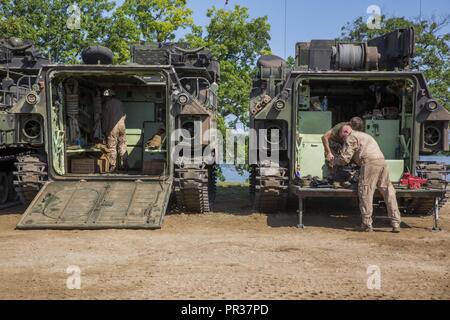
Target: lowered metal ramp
98 205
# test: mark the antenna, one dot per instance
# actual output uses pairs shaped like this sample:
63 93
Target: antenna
285 29
420 10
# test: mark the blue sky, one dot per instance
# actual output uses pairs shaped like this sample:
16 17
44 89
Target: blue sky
317 19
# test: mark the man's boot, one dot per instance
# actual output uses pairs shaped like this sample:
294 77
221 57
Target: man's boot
364 228
395 229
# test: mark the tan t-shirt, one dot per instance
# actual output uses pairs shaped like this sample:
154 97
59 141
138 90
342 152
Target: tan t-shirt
360 148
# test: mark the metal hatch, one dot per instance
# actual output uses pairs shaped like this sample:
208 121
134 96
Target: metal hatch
396 48
98 205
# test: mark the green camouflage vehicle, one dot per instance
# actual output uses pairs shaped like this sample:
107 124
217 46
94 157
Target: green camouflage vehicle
332 82
23 159
51 137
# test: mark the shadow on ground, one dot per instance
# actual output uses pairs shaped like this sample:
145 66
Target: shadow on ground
233 200
12 208
333 213
348 221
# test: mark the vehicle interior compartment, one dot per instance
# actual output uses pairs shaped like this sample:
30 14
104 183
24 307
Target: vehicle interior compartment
386 107
80 147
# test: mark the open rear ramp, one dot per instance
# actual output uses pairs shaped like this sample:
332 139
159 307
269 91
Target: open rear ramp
98 205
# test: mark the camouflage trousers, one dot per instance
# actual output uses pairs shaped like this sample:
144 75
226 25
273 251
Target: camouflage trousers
117 142
375 175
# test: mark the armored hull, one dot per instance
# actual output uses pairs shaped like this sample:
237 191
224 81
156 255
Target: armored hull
66 175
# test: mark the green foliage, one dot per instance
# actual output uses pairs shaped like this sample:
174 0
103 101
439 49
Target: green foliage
236 41
45 23
146 20
124 31
290 62
432 48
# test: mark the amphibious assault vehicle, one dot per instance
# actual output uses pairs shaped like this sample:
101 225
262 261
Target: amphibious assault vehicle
333 81
52 146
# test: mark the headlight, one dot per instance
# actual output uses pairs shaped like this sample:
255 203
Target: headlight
280 104
31 129
183 99
431 105
32 98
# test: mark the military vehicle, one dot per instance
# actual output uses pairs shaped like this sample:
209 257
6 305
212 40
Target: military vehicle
331 82
52 144
22 150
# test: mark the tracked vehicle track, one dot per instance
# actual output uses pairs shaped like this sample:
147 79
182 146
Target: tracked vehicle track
195 189
268 188
29 177
426 206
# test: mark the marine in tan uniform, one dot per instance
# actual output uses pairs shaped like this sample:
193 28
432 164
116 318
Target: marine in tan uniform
332 142
113 123
362 149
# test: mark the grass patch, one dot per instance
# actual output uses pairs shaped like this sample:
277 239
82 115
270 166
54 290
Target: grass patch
232 184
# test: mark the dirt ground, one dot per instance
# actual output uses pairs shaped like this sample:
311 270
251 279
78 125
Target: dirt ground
230 254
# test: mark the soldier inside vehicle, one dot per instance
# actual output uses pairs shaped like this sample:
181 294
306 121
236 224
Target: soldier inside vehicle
108 121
